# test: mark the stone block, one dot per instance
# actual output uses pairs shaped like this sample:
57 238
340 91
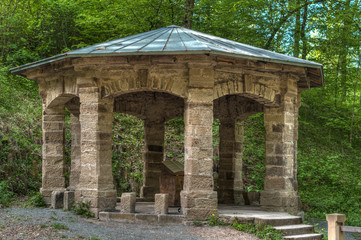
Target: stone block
198 182
198 214
57 199
146 218
254 198
127 203
161 203
121 217
69 199
170 219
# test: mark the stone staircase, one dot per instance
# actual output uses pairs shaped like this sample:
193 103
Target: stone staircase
291 227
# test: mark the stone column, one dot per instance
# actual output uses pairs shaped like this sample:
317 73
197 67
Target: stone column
226 168
238 185
96 178
75 151
153 156
230 180
198 200
280 189
53 178
74 108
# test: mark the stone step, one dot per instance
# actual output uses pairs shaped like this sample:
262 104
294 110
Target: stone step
278 221
310 236
295 229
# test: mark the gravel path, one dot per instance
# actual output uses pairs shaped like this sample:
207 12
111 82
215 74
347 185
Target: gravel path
37 223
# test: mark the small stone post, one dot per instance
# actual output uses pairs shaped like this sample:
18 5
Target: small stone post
335 221
68 200
153 157
127 203
57 199
161 203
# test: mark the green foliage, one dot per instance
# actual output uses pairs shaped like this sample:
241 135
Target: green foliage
174 139
328 167
213 220
261 231
6 196
37 200
254 153
197 223
127 153
59 226
82 209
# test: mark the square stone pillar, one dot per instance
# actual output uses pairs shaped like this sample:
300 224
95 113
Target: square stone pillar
226 168
57 199
198 199
153 156
281 124
161 203
230 182
127 202
75 150
96 178
238 186
53 166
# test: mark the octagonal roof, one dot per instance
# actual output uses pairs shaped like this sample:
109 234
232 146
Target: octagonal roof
175 40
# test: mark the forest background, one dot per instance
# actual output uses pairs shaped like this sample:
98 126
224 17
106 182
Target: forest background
324 31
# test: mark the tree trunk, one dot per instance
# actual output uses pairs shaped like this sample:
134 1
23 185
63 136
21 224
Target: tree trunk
188 13
297 37
303 31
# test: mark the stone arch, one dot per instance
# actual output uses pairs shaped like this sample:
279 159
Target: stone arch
60 100
155 108
249 86
156 79
59 89
235 106
155 105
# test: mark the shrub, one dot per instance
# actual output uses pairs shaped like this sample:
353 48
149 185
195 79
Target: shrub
82 209
6 196
37 201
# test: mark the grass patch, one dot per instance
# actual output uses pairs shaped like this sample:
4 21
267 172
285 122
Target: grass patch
43 225
59 226
261 231
197 223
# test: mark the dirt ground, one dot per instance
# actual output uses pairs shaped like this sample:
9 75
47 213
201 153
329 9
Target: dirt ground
42 223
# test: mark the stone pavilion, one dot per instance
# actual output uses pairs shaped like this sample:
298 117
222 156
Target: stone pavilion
157 76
